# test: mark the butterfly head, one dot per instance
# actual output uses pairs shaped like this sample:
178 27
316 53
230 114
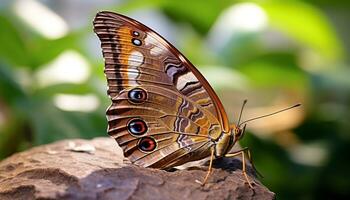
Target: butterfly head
238 132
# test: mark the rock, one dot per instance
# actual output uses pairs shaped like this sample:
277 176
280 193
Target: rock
96 169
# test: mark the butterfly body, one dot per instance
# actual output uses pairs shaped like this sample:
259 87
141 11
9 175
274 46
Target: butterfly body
163 112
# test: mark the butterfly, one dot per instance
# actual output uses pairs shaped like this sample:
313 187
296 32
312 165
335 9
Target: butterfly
164 113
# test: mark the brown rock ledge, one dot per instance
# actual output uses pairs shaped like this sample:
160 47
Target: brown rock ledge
94 169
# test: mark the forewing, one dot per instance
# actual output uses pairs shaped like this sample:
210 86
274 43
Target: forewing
135 55
149 80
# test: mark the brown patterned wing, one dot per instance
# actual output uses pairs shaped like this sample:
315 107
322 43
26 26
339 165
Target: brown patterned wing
170 134
163 110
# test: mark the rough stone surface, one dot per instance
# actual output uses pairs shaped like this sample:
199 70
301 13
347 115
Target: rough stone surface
96 169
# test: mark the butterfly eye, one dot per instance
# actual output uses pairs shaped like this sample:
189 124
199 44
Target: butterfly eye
135 33
137 95
137 127
136 42
239 133
147 144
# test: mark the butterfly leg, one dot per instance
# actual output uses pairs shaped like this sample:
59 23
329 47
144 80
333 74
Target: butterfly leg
243 153
250 158
209 168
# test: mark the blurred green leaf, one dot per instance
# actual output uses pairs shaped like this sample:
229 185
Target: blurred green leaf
44 50
200 15
10 90
13 48
306 24
66 88
275 70
240 49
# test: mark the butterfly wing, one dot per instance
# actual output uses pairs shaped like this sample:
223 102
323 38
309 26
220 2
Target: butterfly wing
163 110
174 134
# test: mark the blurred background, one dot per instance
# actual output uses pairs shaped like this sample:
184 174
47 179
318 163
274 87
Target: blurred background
273 53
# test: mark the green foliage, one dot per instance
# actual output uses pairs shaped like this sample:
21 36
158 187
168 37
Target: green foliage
307 25
297 56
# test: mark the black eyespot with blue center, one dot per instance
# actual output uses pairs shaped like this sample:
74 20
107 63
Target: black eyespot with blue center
137 127
136 42
137 95
135 33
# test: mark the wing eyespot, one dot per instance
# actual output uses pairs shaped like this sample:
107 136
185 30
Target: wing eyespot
137 95
137 127
147 144
136 42
135 33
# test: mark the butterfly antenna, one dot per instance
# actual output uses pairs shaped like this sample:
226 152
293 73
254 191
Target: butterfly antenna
279 111
240 114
